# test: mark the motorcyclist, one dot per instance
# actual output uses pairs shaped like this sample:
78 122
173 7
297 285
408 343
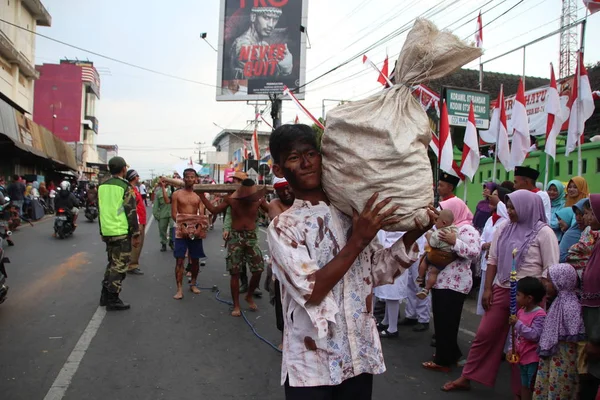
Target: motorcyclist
92 194
67 201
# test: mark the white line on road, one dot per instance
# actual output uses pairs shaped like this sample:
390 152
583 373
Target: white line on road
65 376
467 332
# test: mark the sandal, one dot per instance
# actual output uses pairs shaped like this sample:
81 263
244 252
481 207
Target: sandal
388 335
382 327
430 365
423 294
453 387
419 280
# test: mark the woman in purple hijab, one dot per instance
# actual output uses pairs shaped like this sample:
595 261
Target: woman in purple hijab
537 249
484 209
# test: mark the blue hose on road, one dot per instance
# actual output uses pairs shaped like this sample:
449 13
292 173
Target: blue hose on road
220 300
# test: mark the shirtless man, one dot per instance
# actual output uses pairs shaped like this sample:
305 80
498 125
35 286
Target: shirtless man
191 226
242 244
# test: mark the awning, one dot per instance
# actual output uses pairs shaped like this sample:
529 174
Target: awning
100 166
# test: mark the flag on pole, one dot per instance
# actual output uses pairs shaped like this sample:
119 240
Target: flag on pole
245 151
264 120
288 92
498 132
479 33
470 155
382 77
596 95
435 147
582 107
297 120
521 141
592 5
445 142
554 116
255 148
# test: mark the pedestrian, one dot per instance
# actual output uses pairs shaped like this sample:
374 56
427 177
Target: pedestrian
537 247
417 312
590 300
572 235
525 178
144 192
328 264
161 210
483 211
119 228
556 193
16 193
528 325
452 286
557 375
191 225
242 242
134 267
446 186
577 189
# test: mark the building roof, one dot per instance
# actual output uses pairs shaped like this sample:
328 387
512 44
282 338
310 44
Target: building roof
236 132
38 11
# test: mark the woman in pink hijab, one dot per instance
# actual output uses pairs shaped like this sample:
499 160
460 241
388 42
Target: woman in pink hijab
537 249
452 286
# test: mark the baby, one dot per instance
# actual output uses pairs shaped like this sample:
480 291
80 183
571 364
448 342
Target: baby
439 254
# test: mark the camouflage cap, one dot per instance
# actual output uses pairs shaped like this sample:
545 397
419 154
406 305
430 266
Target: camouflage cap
116 164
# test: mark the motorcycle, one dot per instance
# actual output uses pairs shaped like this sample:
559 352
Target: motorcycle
4 234
63 223
91 211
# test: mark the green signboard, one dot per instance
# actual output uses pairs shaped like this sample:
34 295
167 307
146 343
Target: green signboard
458 101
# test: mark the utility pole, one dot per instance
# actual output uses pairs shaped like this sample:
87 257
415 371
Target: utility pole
151 174
275 111
200 152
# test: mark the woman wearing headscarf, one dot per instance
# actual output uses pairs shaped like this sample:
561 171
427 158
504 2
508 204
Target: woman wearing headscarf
577 189
499 216
580 253
556 192
590 300
575 227
484 209
453 284
537 249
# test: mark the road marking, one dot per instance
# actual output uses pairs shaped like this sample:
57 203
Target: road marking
467 332
263 231
65 376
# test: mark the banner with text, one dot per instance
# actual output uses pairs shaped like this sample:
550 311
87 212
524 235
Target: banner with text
262 48
458 102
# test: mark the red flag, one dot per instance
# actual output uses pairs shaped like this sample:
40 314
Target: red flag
297 119
592 5
479 33
446 152
470 155
554 122
521 141
255 148
384 73
245 151
582 107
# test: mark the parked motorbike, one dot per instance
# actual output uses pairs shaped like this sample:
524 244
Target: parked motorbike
91 211
63 223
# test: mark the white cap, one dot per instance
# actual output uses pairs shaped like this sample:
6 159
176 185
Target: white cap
277 180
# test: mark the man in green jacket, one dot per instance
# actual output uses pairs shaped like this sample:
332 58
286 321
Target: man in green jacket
161 209
119 229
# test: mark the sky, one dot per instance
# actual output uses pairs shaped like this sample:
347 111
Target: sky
157 121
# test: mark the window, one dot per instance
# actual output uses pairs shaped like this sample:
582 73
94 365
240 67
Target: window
489 174
584 166
598 165
498 174
570 167
507 176
556 169
481 173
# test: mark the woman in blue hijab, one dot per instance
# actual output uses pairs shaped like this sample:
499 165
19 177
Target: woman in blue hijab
576 227
556 192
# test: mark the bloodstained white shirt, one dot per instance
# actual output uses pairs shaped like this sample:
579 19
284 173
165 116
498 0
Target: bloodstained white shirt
325 344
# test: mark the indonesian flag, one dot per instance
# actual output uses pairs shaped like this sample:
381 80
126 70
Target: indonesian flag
435 147
582 107
470 155
592 5
445 142
245 151
498 133
479 33
191 163
297 119
255 148
596 95
383 79
554 116
520 124
384 73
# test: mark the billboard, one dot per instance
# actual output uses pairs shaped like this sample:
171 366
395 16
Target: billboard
261 48
459 101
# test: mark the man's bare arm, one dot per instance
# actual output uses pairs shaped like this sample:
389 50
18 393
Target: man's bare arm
174 205
214 209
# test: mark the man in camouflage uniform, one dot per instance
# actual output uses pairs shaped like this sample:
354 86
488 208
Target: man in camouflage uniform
119 229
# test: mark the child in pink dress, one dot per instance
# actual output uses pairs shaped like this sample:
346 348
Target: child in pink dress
528 325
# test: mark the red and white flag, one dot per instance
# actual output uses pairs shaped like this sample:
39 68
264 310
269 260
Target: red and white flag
297 120
288 92
596 94
435 147
583 105
445 142
255 148
592 5
245 151
521 141
498 132
470 155
479 33
553 110
383 79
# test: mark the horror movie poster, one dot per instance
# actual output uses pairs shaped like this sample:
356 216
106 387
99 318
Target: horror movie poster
261 48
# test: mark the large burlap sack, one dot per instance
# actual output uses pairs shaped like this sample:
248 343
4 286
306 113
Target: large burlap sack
380 144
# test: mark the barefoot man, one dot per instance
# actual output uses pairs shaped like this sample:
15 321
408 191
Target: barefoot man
242 246
190 228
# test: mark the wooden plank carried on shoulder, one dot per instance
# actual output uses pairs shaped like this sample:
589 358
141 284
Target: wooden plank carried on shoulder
212 188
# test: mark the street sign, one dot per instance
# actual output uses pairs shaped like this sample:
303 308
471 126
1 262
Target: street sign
458 101
252 174
264 169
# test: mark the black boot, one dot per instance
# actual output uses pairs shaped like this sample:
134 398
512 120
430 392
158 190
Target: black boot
103 297
115 303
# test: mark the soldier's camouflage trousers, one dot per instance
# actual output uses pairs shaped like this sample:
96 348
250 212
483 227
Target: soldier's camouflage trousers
118 250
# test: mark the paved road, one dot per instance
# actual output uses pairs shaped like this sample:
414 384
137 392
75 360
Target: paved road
161 348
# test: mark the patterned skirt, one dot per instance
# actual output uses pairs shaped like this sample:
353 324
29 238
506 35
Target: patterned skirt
557 376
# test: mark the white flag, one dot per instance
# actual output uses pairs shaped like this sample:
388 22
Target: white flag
520 123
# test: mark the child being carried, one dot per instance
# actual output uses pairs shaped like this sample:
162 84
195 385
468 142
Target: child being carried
438 254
